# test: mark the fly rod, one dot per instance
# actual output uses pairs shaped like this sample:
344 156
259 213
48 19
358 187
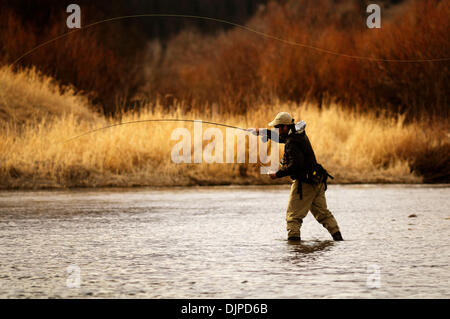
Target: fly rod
156 120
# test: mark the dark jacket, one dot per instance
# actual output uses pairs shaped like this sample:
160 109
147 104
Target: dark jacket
299 158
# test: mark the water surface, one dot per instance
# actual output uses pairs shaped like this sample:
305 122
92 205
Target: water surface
223 242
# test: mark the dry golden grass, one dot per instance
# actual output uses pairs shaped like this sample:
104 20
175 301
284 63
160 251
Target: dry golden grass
355 148
30 96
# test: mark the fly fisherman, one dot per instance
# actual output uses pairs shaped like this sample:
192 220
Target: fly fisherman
309 178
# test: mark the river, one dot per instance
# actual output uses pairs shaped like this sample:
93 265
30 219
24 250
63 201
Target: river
223 242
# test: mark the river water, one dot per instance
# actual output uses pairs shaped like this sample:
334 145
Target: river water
223 242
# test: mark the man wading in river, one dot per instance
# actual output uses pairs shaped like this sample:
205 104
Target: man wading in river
309 178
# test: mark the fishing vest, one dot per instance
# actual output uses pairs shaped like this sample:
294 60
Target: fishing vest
311 172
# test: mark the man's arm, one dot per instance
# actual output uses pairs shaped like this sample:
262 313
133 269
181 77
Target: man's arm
270 135
294 160
266 134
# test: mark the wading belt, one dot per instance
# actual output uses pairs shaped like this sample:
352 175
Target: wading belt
324 180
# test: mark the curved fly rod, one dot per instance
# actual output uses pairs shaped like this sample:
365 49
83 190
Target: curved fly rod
156 120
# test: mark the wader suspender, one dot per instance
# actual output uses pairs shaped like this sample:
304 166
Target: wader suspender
299 189
326 178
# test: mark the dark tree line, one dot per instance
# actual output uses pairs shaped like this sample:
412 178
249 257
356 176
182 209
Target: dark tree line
41 12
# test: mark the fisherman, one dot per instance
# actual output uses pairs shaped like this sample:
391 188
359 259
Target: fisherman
309 178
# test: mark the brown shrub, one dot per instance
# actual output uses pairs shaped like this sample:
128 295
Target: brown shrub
240 68
80 59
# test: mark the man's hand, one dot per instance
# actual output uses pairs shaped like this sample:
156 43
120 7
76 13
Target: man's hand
254 131
273 175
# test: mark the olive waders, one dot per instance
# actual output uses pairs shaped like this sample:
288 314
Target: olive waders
312 199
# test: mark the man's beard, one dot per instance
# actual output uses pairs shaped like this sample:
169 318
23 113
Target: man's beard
283 138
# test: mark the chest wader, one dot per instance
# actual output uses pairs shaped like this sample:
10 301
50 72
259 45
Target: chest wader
312 197
315 175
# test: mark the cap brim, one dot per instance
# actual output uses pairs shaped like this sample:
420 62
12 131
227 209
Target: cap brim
272 123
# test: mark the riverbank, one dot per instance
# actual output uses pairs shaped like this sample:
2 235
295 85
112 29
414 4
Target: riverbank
38 149
354 148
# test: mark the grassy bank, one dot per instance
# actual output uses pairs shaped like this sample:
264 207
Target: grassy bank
35 153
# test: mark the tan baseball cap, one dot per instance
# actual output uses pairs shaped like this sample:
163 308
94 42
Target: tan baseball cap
282 118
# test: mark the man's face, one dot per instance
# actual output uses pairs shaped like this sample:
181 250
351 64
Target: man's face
282 129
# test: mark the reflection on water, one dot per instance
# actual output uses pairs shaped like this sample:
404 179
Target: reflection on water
309 248
300 251
223 242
